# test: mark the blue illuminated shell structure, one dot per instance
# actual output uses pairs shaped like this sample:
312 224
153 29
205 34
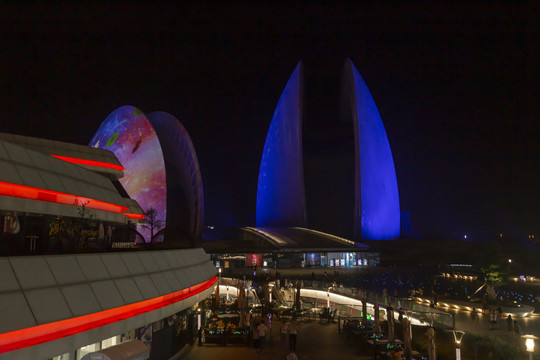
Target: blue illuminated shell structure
376 212
280 191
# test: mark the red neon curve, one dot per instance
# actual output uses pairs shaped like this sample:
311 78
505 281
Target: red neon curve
35 335
27 192
89 162
134 216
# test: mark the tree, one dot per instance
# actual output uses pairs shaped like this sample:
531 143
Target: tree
152 223
85 226
493 275
75 231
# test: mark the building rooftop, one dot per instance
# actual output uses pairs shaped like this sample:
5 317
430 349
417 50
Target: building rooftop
255 239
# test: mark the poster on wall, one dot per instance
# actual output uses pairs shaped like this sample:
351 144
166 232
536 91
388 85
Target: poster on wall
158 325
11 224
130 335
144 334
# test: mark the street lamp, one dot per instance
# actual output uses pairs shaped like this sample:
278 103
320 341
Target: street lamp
328 298
529 344
458 336
219 284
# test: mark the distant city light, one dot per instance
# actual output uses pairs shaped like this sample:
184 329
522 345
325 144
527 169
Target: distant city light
529 343
509 260
465 236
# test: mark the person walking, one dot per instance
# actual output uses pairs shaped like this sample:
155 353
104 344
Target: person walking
493 319
284 331
517 329
509 322
293 332
261 329
255 336
474 317
291 356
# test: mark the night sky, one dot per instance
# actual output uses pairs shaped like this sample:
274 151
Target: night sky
456 87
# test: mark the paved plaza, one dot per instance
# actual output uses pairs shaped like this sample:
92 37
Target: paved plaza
316 340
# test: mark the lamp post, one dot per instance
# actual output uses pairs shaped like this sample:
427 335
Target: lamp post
458 336
529 344
199 327
328 298
219 284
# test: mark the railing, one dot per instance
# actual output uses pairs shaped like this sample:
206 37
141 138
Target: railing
435 317
427 314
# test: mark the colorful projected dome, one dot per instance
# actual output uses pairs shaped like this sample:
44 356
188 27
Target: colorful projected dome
161 168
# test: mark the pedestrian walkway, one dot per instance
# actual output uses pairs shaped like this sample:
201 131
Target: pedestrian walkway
483 327
316 340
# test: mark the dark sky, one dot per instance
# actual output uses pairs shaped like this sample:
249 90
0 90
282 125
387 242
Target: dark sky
456 87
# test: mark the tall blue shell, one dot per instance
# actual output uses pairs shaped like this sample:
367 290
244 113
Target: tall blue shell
376 213
280 191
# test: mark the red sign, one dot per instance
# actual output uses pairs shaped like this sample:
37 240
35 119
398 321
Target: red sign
254 260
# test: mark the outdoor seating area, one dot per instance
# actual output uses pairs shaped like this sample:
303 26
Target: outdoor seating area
225 329
380 343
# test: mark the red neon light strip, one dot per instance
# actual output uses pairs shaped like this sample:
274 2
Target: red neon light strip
89 162
19 339
134 216
27 192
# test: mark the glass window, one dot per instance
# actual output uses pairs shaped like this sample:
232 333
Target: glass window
62 357
110 342
87 350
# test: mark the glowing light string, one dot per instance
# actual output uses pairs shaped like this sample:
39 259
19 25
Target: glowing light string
89 162
35 335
